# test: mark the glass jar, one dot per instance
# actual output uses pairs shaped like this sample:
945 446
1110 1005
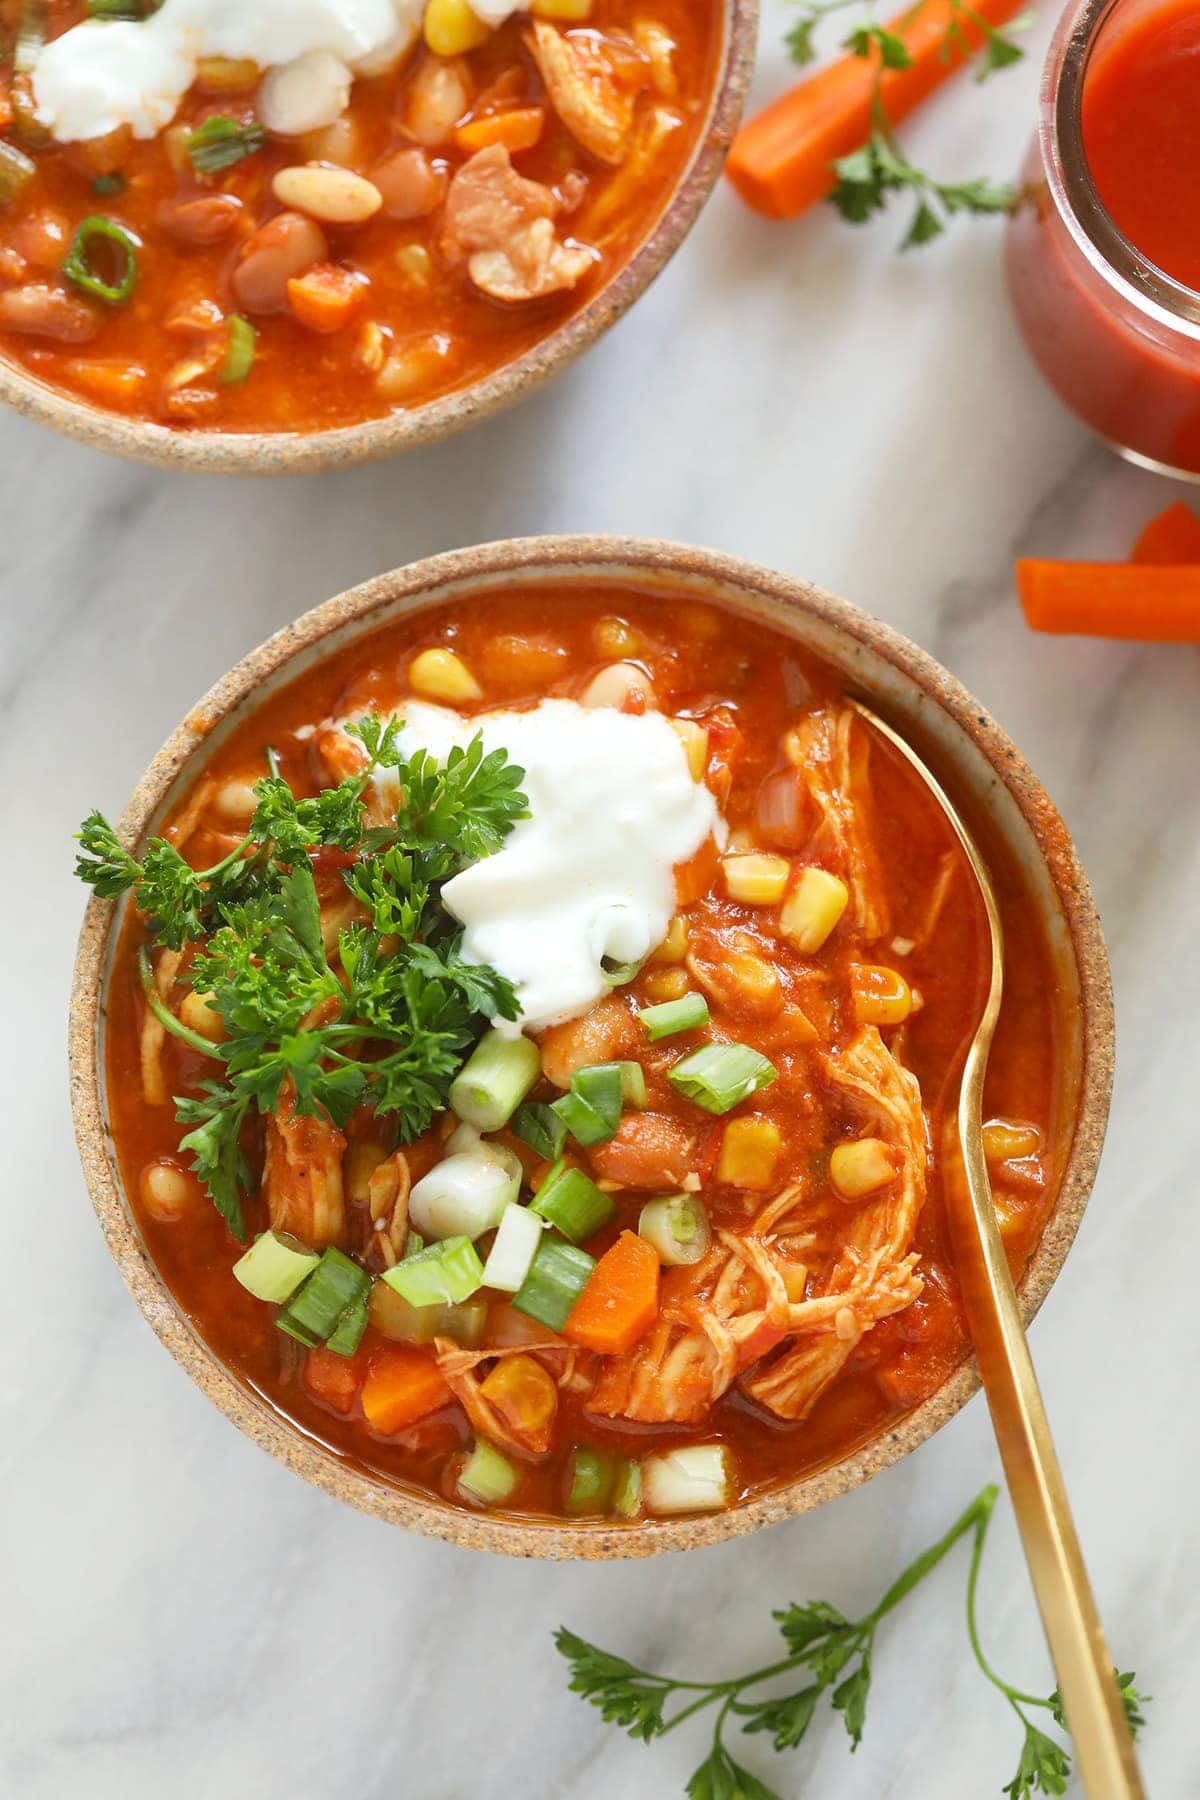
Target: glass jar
1116 337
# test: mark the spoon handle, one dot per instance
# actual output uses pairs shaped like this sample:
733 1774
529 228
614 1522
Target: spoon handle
1091 1701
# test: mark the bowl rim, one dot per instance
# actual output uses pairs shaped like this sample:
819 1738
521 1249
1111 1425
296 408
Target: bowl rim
582 557
372 440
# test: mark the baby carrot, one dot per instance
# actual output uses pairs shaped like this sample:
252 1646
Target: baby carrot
1155 603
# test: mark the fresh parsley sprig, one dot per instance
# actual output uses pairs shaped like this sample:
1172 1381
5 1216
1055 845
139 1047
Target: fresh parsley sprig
384 1014
833 1658
868 178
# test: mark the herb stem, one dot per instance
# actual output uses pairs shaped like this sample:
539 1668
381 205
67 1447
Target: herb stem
163 1013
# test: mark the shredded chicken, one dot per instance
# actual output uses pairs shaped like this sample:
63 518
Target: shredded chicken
875 1274
833 749
593 85
503 225
302 1176
154 1033
387 1199
459 1365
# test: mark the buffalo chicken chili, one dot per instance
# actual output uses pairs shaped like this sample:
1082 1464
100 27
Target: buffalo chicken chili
532 1048
300 214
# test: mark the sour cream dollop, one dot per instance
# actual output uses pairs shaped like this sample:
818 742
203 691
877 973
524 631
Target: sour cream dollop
589 875
105 73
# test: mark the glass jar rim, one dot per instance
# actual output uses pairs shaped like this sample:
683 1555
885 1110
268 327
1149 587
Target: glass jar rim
1117 261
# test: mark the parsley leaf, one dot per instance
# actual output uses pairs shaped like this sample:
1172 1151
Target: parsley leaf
1044 1768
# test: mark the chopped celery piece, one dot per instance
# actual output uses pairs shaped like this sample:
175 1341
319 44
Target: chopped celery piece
274 1266
677 1226
539 1126
570 1200
558 1275
719 1076
344 1341
592 1477
514 1249
444 1273
494 1080
685 1014
317 1306
396 1318
627 1489
487 1476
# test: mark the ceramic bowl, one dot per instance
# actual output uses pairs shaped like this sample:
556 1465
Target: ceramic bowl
293 453
979 765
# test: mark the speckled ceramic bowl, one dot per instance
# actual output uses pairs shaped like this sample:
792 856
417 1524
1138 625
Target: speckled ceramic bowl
293 453
975 758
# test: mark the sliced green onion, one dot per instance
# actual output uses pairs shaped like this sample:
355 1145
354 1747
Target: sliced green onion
316 1308
443 1274
600 1088
465 1195
554 1283
394 1316
592 1478
16 172
582 1121
346 1338
414 1243
677 1226
494 1080
697 1478
633 1084
674 1015
80 265
30 42
627 1489
616 974
514 1249
570 1200
539 1126
719 1076
309 1339
274 1266
239 357
114 9
220 142
112 183
487 1476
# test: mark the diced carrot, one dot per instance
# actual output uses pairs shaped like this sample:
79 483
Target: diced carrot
782 160
1172 536
1157 604
517 129
325 297
333 1379
620 1302
694 878
402 1386
119 383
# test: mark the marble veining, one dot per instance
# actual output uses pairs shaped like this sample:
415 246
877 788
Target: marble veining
181 1616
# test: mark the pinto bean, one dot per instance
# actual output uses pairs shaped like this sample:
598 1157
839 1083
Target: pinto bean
206 220
42 238
285 246
48 313
411 184
435 99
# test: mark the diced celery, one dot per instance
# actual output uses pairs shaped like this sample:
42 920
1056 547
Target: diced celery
442 1274
274 1266
487 1476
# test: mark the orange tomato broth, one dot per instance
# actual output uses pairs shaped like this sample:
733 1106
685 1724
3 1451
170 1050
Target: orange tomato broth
445 332
1141 130
522 646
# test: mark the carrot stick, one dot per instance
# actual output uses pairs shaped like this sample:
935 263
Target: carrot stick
781 161
1172 536
1159 604
620 1301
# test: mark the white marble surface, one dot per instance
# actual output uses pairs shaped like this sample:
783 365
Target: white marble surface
179 1615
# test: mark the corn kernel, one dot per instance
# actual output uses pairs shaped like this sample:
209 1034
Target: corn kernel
756 877
414 261
451 28
615 638
795 1280
860 1168
881 995
1006 1140
225 74
441 675
812 909
694 739
666 984
673 948
749 1153
196 1012
561 9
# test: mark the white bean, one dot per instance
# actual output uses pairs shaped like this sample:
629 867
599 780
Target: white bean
166 1192
617 684
335 196
302 95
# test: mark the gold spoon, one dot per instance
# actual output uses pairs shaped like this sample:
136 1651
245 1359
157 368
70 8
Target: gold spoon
1091 1701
